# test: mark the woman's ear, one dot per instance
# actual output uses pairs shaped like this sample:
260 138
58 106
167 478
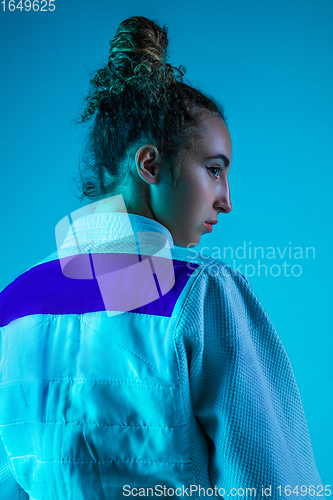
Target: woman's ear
147 163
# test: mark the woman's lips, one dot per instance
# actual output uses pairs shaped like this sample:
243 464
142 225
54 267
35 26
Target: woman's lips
209 226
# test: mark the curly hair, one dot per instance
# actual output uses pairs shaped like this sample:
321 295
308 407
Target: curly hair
137 96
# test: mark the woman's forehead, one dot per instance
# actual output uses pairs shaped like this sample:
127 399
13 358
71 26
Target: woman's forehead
212 136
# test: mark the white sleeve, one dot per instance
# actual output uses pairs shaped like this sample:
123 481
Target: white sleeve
243 391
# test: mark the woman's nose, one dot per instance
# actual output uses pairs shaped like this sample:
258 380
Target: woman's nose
224 201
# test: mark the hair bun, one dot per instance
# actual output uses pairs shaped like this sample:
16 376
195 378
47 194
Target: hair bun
138 54
137 59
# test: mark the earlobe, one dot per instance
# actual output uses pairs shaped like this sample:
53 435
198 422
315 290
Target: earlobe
152 161
138 170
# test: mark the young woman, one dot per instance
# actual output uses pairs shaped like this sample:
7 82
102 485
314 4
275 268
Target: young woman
129 368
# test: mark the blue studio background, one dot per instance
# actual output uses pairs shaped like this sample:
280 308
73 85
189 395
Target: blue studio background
271 65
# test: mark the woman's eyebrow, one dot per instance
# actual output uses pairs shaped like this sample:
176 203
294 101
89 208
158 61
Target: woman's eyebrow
221 157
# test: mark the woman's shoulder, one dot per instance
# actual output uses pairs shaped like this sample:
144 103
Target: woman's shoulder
210 268
220 292
29 286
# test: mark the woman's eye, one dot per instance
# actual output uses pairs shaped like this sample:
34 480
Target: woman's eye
214 169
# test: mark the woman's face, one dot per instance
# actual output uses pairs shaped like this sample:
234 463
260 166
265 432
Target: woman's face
202 189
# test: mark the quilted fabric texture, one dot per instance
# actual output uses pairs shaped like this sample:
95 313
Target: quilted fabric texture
119 369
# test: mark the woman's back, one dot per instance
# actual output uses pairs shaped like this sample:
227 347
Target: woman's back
184 391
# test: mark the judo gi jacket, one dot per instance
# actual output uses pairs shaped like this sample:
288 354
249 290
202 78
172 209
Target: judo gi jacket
131 367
